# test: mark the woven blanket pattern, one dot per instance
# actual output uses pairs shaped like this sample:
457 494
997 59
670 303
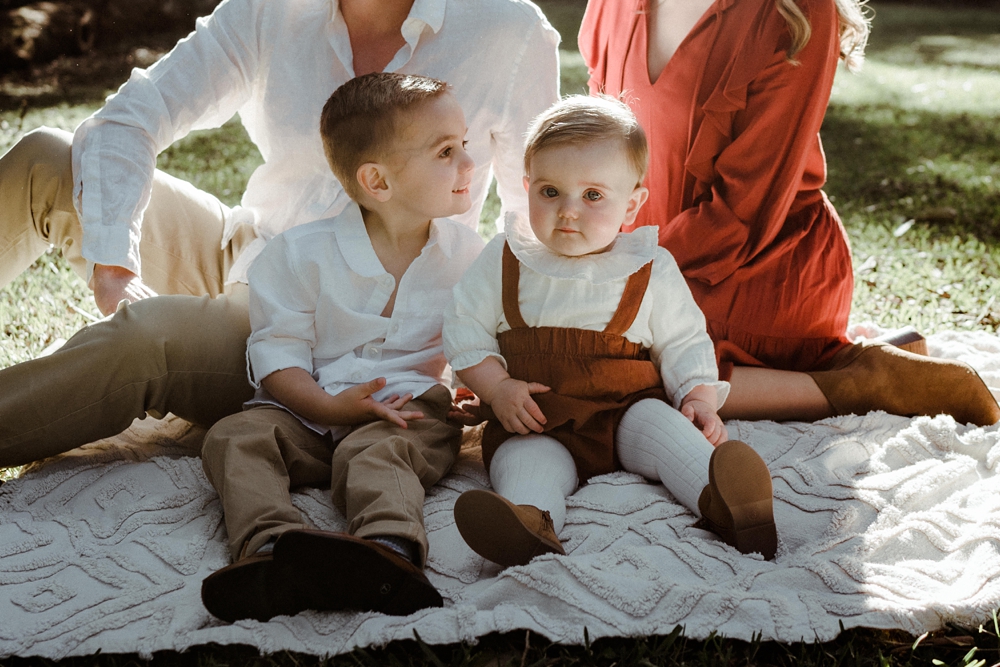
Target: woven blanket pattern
883 522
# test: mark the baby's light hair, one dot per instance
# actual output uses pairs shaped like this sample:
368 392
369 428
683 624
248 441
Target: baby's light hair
358 123
582 119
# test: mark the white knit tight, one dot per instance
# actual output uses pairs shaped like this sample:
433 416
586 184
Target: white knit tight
535 470
653 440
658 442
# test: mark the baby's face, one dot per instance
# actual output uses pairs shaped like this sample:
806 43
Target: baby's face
580 195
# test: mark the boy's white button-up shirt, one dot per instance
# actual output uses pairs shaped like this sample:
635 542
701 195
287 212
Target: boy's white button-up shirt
275 63
317 293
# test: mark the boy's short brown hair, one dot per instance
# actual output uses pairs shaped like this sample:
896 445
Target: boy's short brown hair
358 123
580 119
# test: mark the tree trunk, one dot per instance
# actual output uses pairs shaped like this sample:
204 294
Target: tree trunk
41 31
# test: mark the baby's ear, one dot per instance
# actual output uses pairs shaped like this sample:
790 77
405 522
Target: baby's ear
371 178
635 202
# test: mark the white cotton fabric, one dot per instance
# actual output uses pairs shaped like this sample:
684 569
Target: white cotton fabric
583 293
317 293
535 470
275 64
661 444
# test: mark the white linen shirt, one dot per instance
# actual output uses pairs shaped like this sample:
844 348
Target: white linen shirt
276 63
317 293
583 293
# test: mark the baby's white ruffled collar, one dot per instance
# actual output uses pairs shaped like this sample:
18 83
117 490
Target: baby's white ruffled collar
627 255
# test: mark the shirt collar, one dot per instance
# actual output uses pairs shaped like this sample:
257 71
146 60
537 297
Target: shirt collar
427 12
356 246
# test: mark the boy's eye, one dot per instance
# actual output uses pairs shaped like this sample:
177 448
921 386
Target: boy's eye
550 192
592 195
446 152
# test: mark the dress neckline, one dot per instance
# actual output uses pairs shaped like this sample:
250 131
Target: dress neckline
642 26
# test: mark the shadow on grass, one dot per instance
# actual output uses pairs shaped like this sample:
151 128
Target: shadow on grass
943 169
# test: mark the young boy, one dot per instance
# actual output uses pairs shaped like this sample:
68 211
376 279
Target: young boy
591 353
346 316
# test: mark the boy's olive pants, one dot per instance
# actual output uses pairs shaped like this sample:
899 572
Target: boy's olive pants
182 354
377 473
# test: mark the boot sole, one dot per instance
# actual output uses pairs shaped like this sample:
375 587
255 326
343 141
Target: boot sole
340 572
491 528
256 589
740 478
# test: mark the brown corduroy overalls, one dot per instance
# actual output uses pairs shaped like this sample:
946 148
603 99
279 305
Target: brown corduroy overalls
594 376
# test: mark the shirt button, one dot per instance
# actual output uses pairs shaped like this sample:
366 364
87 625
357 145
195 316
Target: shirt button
394 329
373 352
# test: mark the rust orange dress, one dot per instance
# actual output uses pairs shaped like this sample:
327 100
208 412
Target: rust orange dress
736 167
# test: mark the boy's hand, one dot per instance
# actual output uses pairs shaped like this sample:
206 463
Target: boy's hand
513 406
703 415
356 406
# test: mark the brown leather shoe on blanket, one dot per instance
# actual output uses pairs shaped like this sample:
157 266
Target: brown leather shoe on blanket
502 532
337 571
253 587
874 376
737 503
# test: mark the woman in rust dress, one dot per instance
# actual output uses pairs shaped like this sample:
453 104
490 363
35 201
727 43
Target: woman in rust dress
732 94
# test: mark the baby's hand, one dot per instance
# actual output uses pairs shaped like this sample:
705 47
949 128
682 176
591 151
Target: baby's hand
356 406
513 406
704 416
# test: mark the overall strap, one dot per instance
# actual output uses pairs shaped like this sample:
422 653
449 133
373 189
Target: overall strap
631 299
511 276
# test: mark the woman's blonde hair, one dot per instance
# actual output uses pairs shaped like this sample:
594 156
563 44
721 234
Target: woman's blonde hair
853 29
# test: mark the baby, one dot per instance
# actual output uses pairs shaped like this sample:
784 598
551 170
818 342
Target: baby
589 355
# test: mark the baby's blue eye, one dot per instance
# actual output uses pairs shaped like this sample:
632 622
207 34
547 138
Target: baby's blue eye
592 195
550 192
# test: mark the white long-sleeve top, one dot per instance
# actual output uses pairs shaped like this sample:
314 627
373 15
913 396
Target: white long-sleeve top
583 293
317 293
275 63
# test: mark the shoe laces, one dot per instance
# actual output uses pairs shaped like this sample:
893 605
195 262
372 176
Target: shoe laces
547 521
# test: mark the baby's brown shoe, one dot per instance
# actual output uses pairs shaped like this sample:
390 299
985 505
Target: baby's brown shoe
737 504
502 532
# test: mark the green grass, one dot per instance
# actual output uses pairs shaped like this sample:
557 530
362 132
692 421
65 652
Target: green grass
913 144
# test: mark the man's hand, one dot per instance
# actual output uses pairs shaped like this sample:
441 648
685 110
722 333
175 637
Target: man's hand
112 284
517 411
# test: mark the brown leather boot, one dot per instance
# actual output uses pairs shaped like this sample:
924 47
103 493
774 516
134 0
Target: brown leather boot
907 338
502 532
874 376
737 505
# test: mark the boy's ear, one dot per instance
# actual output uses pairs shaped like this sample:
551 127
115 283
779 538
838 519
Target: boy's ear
371 178
635 202
525 181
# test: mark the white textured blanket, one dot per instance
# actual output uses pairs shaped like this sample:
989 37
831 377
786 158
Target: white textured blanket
883 522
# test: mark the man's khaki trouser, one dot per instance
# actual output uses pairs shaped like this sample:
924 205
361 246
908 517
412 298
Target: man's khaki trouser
377 473
180 354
